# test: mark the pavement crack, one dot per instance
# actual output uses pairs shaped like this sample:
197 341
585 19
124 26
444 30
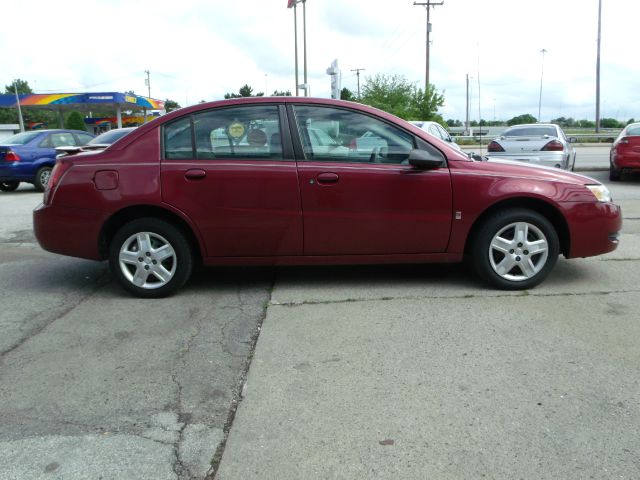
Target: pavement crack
101 281
237 394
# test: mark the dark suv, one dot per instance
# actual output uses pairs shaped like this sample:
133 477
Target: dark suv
30 156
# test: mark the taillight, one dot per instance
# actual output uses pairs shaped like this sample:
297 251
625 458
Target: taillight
623 140
494 147
58 171
553 146
11 156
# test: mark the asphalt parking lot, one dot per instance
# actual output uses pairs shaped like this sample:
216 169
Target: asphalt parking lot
358 372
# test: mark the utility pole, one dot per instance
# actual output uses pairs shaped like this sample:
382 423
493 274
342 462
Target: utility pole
428 4
543 51
304 41
598 70
358 70
467 129
20 120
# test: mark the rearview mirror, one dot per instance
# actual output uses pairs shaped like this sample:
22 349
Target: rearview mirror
424 160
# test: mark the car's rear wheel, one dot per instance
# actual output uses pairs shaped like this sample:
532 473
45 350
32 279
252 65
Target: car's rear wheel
614 175
515 249
42 178
150 258
9 186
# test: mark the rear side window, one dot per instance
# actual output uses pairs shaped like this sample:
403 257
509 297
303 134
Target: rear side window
633 131
243 132
83 138
62 140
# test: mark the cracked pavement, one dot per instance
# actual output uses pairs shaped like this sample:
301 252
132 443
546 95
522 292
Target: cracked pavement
96 384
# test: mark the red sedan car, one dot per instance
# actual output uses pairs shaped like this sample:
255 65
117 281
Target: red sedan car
243 182
625 152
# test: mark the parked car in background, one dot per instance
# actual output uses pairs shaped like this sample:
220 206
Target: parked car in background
537 143
30 156
165 197
438 131
96 144
625 152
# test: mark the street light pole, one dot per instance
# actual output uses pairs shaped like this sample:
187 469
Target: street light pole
358 70
304 40
20 120
598 69
543 51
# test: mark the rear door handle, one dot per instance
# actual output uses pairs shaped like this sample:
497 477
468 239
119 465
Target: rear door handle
195 174
328 177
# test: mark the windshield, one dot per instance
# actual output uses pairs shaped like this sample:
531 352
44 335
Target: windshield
21 138
109 137
533 131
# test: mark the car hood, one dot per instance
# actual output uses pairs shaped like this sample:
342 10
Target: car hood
539 172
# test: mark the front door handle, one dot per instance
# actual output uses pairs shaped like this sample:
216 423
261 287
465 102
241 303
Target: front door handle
195 174
327 177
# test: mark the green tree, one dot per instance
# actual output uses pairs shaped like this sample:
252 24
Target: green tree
22 85
586 124
75 122
346 94
245 91
609 123
396 95
525 118
170 105
631 120
425 105
454 123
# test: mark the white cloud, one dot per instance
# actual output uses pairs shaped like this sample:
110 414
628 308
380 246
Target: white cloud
200 49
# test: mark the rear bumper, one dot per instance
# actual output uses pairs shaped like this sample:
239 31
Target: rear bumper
21 171
626 161
68 231
547 159
594 228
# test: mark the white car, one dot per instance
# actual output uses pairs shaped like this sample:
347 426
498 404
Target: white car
437 130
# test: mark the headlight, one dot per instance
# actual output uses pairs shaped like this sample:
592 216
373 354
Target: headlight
601 192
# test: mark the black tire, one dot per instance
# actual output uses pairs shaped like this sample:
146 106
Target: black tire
614 175
522 268
9 186
157 233
42 178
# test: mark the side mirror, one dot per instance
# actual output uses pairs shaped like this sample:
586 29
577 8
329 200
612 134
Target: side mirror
425 160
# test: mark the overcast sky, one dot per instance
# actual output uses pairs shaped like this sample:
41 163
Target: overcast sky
200 49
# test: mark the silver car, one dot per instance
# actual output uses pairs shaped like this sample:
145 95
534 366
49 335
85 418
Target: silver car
538 143
435 129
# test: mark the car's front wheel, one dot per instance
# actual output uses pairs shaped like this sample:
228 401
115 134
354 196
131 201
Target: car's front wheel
42 178
515 249
9 186
150 257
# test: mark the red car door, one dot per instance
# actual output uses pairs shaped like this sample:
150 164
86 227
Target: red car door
359 195
229 170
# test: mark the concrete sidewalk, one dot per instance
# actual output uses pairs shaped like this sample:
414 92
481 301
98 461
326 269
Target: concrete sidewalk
418 372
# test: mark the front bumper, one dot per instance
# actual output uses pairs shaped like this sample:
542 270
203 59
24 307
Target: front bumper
594 227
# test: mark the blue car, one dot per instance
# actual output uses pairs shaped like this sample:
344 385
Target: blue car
30 156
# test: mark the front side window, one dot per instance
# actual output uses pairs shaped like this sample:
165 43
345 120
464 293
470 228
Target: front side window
336 135
244 132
